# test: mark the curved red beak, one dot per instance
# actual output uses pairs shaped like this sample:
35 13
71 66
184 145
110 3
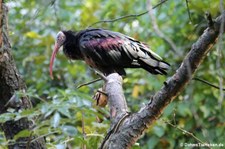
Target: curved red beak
56 49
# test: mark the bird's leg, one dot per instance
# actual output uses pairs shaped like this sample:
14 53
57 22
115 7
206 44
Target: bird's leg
100 75
101 96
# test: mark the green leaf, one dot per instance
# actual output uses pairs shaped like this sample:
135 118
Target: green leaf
159 131
6 117
22 134
184 109
69 130
205 111
152 142
65 111
56 120
49 112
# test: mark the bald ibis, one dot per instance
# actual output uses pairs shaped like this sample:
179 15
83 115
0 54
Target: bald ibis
108 51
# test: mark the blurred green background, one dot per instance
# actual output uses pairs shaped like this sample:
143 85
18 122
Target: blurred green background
60 109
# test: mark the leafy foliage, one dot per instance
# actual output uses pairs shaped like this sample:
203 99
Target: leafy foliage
65 115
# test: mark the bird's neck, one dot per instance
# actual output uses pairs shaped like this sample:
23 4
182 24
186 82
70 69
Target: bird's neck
71 48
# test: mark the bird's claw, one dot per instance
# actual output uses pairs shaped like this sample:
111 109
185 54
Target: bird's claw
101 98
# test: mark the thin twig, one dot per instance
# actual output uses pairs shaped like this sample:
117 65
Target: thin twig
184 131
45 135
127 16
158 31
83 131
88 83
66 142
208 83
25 142
188 10
94 135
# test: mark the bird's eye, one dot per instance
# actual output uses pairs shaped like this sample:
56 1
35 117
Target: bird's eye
59 38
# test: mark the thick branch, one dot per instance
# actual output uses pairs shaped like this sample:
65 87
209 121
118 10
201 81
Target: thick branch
10 82
133 126
116 99
117 104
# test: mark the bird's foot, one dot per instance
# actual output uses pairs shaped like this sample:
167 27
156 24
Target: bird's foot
101 98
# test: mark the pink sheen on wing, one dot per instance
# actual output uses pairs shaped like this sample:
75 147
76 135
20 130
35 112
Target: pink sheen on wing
104 43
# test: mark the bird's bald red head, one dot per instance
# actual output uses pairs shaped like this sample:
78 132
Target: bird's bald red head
60 40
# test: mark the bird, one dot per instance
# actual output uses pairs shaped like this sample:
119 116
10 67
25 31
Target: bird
107 51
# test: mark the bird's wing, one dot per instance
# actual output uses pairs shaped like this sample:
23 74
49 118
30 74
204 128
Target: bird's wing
109 48
105 47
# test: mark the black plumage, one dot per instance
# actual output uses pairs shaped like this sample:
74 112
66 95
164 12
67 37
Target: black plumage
109 51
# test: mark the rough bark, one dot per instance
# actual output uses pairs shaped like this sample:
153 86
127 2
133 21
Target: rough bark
10 82
127 130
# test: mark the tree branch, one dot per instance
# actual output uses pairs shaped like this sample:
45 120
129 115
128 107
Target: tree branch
117 104
188 10
116 99
208 83
134 125
128 16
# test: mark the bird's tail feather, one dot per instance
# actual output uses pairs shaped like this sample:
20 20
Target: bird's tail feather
154 66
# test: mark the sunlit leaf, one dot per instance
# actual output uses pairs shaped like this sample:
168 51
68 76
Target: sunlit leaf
136 91
32 34
22 134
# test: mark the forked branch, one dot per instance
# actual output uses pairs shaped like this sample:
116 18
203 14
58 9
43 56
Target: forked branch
130 127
